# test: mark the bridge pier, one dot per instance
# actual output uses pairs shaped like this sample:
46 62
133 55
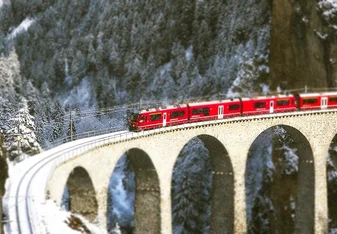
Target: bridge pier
238 156
102 196
165 207
320 152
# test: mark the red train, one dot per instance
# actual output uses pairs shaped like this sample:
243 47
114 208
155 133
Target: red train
212 110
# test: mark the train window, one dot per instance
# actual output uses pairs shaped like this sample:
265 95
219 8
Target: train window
155 117
134 117
234 107
309 100
282 102
199 111
333 99
143 119
176 114
259 104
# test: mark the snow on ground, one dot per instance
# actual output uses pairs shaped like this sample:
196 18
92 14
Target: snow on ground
22 27
80 94
55 220
189 53
47 217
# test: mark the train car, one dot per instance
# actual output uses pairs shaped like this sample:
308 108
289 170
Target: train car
214 110
329 100
177 114
285 103
203 111
156 118
257 106
312 101
232 107
266 105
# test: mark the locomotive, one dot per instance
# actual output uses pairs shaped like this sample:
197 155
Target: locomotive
220 109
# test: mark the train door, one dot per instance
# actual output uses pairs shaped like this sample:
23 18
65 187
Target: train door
220 112
324 102
164 119
271 105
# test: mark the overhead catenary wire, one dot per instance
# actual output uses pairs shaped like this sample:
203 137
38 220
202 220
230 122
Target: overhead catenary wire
92 113
80 115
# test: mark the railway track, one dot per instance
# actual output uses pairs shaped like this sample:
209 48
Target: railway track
24 198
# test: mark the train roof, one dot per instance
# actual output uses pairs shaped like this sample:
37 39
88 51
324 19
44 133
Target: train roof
309 94
329 94
163 108
318 94
213 102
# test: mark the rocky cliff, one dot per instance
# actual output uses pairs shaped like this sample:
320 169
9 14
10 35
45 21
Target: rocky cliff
302 45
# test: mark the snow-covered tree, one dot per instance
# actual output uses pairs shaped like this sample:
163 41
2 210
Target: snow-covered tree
58 116
121 195
283 191
191 189
262 207
21 136
31 93
271 182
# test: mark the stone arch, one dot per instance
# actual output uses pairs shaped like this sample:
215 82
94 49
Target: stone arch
332 184
82 195
222 218
147 197
222 197
303 183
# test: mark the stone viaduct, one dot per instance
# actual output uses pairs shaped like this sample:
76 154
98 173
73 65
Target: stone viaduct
153 156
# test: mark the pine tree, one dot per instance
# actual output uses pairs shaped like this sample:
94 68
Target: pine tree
6 17
203 38
114 60
59 70
191 190
31 97
50 70
91 59
133 70
75 71
2 44
262 207
121 197
58 120
186 22
45 91
23 134
214 17
179 67
195 90
101 58
283 195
